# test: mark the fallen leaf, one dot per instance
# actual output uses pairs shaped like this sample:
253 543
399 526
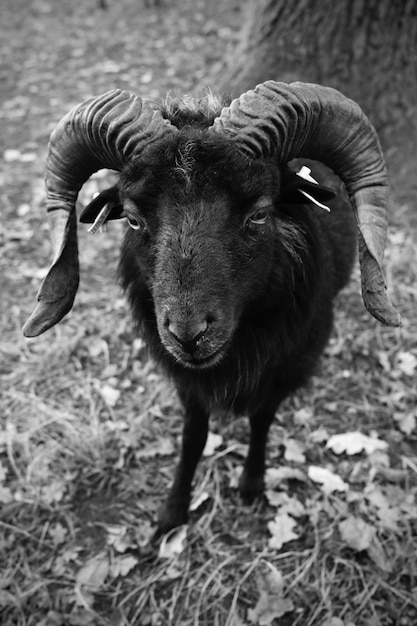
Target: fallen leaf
271 603
58 533
285 503
281 530
23 209
97 346
329 481
379 458
354 443
406 422
294 451
388 515
163 447
319 435
5 495
276 498
293 507
314 510
60 566
11 155
93 573
357 533
118 537
28 157
122 565
302 416
143 533
274 476
110 67
110 395
213 442
147 77
54 491
173 543
407 363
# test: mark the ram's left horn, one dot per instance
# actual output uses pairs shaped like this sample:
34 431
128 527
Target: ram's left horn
285 121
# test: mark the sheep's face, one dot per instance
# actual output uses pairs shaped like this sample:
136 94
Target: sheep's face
201 238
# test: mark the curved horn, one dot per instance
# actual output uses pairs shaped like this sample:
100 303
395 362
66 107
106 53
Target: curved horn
106 131
305 120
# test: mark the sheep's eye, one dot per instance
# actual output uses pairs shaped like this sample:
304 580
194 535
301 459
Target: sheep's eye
258 218
135 223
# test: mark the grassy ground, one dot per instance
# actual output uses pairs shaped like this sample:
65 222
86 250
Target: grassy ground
89 430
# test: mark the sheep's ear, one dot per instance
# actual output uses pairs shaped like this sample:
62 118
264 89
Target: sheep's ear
107 203
301 185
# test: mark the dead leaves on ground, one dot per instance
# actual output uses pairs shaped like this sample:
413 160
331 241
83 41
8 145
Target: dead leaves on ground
384 505
355 497
359 515
272 603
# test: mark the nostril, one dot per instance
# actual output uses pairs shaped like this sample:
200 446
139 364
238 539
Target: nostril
188 335
210 319
199 329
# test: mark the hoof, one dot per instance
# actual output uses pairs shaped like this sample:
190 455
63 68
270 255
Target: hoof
251 488
170 516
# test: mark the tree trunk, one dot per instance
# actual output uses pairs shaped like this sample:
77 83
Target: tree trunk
365 48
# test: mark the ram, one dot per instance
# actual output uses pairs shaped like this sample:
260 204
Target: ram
242 228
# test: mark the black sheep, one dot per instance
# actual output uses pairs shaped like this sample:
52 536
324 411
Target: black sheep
232 261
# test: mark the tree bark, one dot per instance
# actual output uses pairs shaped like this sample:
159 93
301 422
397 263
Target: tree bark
365 48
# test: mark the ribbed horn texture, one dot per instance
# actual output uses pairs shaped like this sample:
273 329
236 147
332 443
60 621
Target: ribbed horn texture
106 131
286 121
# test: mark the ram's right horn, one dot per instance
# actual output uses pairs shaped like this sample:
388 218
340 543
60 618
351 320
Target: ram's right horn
107 131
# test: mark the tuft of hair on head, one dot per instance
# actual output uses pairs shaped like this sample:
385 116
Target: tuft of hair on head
186 110
184 162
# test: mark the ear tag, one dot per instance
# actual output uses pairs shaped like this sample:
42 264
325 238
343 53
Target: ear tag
305 173
100 220
314 200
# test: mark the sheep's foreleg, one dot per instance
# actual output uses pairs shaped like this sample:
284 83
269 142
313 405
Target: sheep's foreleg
174 511
251 484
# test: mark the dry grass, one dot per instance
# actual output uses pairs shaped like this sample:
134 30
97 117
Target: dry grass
89 430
